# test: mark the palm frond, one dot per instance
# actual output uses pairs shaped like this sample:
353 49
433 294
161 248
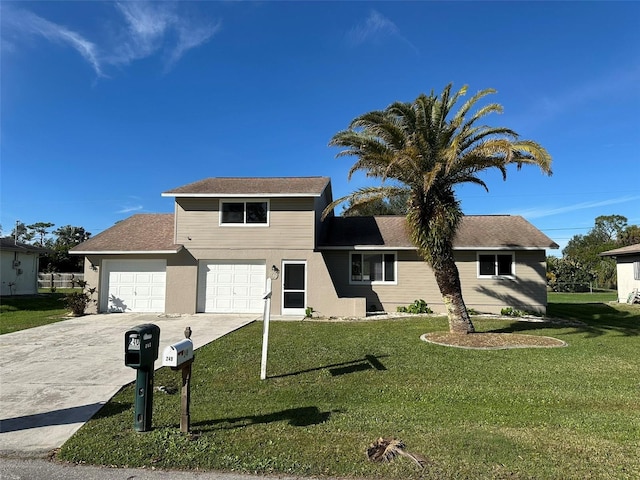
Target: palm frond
387 449
365 195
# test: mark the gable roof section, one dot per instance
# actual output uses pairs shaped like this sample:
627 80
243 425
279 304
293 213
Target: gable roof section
253 187
142 233
9 244
619 252
476 232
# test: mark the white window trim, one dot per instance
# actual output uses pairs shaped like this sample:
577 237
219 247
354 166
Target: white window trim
495 254
375 282
245 201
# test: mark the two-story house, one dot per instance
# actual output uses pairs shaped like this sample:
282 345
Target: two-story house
227 235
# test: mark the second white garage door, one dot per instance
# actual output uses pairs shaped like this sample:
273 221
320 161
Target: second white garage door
226 286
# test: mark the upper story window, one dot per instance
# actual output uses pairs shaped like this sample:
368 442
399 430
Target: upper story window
491 265
233 212
372 267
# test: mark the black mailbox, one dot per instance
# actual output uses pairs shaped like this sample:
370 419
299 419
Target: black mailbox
141 345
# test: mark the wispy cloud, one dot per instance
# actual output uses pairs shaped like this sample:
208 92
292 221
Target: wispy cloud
376 28
624 81
149 24
550 211
31 24
145 29
130 208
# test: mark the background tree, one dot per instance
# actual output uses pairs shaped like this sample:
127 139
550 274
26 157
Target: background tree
59 260
21 233
40 230
629 236
427 149
584 250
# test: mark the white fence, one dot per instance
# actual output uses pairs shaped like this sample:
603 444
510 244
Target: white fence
58 280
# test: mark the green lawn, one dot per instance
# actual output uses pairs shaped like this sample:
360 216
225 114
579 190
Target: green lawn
22 312
333 388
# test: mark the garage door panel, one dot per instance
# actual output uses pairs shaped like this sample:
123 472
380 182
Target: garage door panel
135 286
228 287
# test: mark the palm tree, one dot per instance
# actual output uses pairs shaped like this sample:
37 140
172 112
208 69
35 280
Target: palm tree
426 149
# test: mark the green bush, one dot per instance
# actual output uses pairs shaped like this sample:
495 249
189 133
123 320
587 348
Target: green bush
78 302
514 312
418 306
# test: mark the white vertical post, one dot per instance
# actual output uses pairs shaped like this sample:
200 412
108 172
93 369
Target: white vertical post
265 329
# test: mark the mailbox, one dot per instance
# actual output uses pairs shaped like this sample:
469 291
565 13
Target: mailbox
141 346
178 354
140 352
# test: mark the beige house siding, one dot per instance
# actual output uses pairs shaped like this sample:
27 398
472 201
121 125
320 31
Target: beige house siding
92 277
415 280
527 291
321 295
291 225
182 280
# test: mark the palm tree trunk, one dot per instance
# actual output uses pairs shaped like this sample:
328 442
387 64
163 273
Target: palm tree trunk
448 279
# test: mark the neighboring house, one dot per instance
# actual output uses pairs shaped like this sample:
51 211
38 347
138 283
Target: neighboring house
19 267
227 235
627 269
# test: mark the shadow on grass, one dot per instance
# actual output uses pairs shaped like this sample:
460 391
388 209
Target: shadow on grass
598 319
297 417
369 362
63 416
33 303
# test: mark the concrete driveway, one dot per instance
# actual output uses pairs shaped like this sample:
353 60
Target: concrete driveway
56 377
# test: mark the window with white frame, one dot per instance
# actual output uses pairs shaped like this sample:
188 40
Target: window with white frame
241 212
636 270
372 267
491 265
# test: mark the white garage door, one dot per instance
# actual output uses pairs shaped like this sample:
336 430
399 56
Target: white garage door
231 286
134 285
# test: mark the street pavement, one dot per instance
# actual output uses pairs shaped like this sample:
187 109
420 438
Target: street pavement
55 377
38 469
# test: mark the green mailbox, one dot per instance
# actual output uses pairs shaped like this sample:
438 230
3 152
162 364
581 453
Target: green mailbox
141 345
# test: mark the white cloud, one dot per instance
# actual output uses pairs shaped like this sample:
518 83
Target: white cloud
32 24
130 208
375 28
146 28
549 211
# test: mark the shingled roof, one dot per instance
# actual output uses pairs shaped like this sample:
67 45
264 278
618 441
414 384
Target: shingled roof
142 233
10 244
475 232
622 251
251 187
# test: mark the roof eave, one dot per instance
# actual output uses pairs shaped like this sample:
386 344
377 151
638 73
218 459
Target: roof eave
242 195
128 252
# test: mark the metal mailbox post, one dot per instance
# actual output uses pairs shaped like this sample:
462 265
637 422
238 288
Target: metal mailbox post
140 352
179 356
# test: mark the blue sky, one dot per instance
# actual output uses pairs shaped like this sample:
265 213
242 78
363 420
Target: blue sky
106 105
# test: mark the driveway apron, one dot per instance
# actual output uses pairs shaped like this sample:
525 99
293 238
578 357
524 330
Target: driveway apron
56 377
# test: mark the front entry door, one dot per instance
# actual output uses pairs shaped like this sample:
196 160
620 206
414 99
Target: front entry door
294 287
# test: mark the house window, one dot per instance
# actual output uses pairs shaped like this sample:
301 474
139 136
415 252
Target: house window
372 267
636 270
244 213
496 265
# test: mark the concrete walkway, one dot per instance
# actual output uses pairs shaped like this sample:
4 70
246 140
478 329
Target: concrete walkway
56 377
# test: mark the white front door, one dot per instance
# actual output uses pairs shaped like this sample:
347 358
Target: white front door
294 287
231 286
133 286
